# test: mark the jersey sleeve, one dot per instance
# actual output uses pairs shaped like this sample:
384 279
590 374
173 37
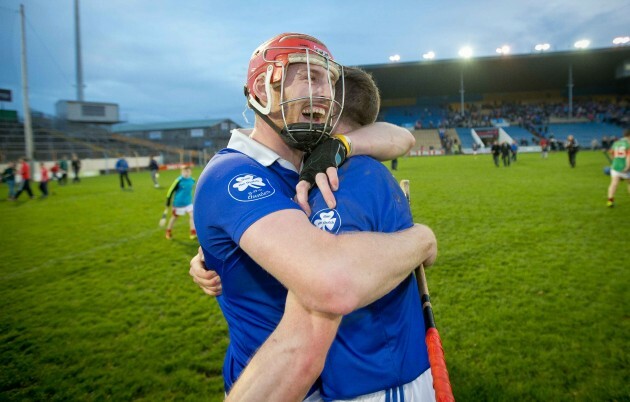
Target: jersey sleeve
233 193
172 190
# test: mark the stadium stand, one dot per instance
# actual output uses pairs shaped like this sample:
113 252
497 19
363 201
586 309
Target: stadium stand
426 140
415 117
529 101
526 123
584 133
53 139
527 95
50 144
519 134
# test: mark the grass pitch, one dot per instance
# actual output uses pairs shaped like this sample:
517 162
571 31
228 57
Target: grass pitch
530 289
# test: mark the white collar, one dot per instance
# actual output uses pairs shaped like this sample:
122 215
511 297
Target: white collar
241 141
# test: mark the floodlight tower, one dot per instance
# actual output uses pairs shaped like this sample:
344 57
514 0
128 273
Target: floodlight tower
570 85
28 129
465 53
77 38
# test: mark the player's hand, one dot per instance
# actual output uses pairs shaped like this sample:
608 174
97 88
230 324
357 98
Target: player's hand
320 168
208 280
327 183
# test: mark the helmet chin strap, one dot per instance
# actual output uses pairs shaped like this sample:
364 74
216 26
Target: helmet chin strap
266 119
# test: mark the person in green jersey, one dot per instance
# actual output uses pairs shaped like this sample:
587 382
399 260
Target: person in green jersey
620 152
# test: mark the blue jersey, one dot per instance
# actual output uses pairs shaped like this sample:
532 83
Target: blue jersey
382 345
235 190
182 190
122 165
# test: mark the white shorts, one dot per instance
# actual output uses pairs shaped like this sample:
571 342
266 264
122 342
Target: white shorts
623 175
418 390
179 211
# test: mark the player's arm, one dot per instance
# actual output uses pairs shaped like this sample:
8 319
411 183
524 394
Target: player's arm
335 273
291 359
171 191
382 141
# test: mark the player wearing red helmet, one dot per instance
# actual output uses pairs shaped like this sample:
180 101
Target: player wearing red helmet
302 116
259 240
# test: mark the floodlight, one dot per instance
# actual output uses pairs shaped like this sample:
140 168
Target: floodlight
429 55
466 52
542 47
582 44
505 49
394 58
621 40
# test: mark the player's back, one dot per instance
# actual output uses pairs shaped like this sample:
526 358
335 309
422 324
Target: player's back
382 345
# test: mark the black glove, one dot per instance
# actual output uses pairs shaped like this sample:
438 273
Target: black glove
331 152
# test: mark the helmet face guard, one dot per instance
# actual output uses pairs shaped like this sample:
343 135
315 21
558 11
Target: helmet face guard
306 136
273 59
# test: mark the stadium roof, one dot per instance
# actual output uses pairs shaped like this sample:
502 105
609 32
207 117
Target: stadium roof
594 71
171 125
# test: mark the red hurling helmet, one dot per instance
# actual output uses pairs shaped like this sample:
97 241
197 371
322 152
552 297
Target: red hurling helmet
283 49
271 60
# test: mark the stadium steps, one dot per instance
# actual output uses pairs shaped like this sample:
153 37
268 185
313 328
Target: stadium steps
463 133
517 133
59 134
50 144
425 139
452 133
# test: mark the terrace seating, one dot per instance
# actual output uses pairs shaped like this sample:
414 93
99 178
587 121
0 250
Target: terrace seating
584 133
52 144
425 139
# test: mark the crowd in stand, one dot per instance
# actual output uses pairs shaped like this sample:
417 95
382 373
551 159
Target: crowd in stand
533 117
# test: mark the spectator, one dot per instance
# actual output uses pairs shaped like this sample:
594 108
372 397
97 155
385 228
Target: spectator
544 147
572 148
154 168
54 172
505 153
76 166
8 176
43 181
63 170
25 172
496 151
395 164
122 167
514 150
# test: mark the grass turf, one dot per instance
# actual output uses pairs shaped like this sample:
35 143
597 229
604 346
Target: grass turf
529 289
